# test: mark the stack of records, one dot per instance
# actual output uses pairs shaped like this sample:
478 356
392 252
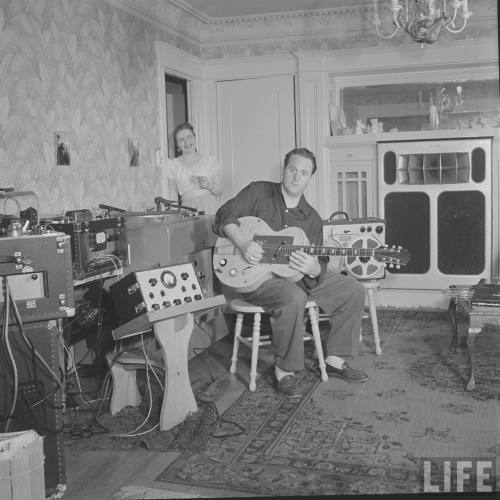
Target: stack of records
486 295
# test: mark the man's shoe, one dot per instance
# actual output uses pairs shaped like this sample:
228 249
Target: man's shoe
287 387
347 373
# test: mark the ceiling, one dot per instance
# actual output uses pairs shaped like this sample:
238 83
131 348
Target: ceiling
234 8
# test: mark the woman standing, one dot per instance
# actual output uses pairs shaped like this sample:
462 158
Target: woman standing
197 177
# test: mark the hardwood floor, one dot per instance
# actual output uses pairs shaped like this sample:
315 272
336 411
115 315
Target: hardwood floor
99 475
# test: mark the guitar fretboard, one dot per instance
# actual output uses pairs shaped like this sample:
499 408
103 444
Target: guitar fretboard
321 250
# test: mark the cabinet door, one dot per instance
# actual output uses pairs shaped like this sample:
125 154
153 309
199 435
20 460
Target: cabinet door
256 129
353 181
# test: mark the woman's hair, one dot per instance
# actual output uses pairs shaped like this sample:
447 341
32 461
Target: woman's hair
304 153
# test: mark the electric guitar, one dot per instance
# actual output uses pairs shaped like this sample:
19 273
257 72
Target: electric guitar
236 272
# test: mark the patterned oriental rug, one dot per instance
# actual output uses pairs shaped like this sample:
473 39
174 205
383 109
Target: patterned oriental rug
339 438
369 438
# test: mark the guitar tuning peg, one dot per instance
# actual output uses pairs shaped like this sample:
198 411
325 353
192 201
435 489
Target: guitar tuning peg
400 248
398 266
391 265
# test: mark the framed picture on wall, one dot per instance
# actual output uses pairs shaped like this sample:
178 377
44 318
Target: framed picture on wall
133 153
62 145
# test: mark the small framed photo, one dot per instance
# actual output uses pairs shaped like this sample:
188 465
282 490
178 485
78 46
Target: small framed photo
133 153
62 141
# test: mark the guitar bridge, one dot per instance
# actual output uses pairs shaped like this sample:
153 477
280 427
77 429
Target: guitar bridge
275 248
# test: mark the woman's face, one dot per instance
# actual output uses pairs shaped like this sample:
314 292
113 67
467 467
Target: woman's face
186 141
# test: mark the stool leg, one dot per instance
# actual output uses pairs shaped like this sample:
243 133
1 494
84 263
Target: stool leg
236 343
313 317
125 392
373 313
255 351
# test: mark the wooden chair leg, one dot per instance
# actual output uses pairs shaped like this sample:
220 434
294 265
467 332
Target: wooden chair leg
236 343
313 317
255 351
373 313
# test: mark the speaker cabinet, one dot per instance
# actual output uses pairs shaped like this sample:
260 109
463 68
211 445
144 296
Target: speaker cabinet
436 199
356 233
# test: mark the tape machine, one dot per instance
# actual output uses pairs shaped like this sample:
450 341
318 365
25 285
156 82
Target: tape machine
355 233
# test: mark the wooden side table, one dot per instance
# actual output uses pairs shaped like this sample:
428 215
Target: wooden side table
477 318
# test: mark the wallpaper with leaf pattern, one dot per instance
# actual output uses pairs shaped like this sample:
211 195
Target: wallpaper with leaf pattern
86 68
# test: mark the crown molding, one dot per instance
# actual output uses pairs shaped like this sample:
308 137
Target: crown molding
322 29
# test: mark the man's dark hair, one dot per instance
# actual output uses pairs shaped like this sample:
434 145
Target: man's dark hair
301 152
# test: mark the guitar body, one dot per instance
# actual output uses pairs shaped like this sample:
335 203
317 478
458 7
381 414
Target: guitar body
234 271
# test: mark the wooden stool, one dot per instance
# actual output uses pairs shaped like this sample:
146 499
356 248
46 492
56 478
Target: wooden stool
123 368
256 340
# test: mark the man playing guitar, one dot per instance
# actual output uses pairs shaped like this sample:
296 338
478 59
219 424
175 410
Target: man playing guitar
283 205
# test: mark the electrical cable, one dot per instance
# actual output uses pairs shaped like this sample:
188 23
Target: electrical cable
11 356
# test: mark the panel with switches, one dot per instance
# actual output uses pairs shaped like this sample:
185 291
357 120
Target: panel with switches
155 289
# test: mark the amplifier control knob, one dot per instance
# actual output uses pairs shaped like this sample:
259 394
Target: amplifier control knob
362 229
233 272
166 304
222 262
153 281
379 229
369 228
177 302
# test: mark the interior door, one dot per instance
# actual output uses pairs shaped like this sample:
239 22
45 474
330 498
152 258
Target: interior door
256 129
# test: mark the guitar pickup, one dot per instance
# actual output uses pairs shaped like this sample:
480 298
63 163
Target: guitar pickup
275 248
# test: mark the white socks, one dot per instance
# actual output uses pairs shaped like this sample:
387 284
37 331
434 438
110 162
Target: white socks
334 361
280 373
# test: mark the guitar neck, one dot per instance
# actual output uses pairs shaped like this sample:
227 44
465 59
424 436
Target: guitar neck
322 250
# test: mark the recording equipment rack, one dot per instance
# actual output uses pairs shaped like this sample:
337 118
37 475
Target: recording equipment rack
94 246
38 291
37 268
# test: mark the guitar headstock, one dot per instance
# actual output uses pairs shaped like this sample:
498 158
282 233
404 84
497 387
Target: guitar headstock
392 256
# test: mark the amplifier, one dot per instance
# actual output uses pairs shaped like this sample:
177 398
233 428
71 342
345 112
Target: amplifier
37 268
94 245
154 289
356 233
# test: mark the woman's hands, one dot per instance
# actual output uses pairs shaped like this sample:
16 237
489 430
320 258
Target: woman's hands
202 181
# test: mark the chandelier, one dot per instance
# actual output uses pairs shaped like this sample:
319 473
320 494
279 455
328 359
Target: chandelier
424 19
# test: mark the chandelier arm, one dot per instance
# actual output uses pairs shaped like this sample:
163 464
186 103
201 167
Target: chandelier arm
393 34
387 37
452 23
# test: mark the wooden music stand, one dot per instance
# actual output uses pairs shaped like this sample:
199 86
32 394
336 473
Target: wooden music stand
178 400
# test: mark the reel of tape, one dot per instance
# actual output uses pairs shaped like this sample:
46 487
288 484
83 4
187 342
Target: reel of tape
356 233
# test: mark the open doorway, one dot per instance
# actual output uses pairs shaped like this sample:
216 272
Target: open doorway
176 101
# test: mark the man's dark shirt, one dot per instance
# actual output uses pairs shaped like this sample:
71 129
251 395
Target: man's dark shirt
265 200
